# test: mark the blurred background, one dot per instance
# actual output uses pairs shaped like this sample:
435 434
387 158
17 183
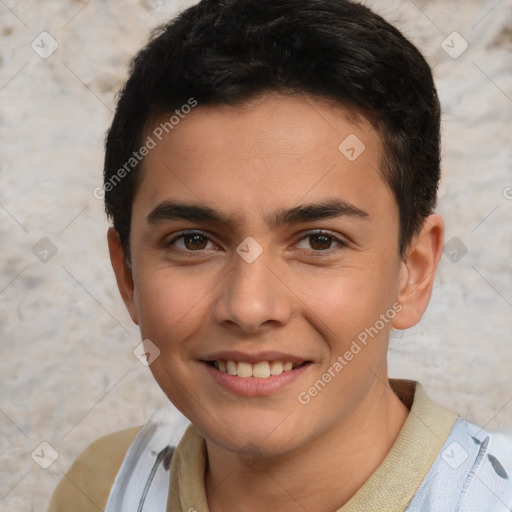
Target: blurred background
68 373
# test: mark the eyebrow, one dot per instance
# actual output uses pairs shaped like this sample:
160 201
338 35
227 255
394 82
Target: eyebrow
175 210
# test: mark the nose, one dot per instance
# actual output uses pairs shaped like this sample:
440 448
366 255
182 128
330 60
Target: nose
253 296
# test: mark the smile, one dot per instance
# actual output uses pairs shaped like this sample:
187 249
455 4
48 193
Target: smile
256 378
260 370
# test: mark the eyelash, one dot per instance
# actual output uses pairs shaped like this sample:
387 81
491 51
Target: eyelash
327 252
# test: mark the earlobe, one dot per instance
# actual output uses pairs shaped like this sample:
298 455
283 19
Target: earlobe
123 273
417 272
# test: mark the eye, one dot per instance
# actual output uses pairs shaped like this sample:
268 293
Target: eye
321 242
192 241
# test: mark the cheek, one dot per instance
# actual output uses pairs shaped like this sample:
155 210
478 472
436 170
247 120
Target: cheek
347 301
166 302
170 311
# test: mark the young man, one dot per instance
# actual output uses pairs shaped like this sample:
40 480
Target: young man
271 174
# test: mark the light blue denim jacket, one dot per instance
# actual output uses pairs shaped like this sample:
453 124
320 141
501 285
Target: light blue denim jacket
472 473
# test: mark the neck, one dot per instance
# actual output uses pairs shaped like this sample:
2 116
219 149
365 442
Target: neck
322 475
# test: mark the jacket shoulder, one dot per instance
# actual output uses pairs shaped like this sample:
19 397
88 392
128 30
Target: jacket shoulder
86 485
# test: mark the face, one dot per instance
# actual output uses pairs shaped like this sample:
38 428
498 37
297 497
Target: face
261 255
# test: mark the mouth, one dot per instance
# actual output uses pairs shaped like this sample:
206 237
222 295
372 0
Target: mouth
252 374
259 370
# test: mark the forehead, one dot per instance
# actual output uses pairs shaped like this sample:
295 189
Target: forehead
271 152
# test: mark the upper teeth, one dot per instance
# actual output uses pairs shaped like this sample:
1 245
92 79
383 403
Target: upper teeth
260 370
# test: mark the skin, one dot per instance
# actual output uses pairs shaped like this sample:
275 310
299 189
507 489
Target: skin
303 295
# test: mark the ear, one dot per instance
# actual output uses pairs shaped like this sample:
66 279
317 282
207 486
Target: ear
123 273
417 272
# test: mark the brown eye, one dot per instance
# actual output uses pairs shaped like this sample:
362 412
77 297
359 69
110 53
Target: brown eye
320 242
193 241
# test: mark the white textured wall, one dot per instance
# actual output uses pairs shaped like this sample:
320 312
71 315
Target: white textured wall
67 370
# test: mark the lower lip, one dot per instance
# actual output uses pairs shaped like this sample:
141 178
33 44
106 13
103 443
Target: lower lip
252 386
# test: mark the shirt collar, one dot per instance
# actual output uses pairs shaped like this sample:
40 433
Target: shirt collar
390 487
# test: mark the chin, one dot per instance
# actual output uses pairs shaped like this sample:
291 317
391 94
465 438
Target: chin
260 439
